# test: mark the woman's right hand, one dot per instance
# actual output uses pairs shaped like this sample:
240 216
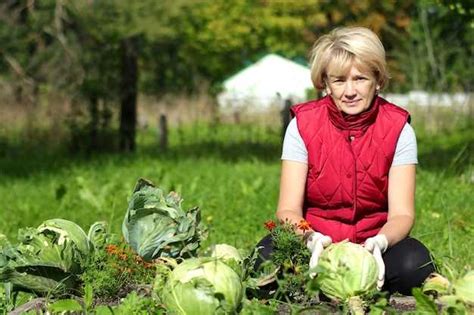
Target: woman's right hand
316 243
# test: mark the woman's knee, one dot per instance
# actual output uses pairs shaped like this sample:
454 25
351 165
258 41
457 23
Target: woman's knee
416 257
264 249
408 264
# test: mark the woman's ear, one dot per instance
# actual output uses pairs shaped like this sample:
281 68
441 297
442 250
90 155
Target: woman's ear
328 90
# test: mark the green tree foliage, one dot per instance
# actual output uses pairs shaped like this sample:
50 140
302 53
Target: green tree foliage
35 49
104 53
114 35
437 52
213 40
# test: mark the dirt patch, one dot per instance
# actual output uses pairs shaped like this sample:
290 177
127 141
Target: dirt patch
403 303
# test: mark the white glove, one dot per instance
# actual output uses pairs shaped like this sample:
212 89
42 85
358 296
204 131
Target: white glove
316 243
377 245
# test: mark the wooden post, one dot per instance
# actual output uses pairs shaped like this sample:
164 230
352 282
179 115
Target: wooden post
237 117
163 132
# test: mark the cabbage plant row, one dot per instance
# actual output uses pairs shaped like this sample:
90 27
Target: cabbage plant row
50 259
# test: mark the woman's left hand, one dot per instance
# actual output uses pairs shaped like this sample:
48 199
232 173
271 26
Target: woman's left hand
377 245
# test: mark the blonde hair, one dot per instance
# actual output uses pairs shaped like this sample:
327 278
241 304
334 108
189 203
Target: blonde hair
344 47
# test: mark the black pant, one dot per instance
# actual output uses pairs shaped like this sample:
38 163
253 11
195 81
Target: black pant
407 264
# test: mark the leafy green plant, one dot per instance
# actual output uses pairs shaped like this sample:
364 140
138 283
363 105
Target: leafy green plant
290 251
5 304
48 259
255 306
65 305
156 226
114 270
204 285
439 295
289 262
346 270
231 257
347 273
134 304
226 252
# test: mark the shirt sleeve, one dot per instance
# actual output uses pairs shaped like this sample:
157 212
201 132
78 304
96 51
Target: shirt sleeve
294 148
406 151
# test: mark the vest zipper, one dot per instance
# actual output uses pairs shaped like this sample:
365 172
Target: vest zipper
350 139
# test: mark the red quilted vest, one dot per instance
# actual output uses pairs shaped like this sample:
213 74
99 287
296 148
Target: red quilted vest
348 164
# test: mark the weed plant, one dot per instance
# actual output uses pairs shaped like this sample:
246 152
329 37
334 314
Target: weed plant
115 270
289 263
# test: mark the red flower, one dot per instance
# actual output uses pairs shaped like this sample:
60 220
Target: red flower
270 225
304 225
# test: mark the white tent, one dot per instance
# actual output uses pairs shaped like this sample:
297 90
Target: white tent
266 83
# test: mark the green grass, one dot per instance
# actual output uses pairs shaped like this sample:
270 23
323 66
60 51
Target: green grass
232 174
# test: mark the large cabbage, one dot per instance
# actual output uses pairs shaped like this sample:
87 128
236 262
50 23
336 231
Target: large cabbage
347 270
231 257
47 259
203 285
464 288
156 226
226 252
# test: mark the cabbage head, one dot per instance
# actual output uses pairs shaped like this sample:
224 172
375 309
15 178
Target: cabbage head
155 225
464 288
226 252
230 256
65 230
202 286
98 234
47 259
346 270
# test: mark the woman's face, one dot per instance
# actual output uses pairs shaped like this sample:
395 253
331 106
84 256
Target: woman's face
353 92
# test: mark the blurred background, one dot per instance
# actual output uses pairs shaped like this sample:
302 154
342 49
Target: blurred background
86 75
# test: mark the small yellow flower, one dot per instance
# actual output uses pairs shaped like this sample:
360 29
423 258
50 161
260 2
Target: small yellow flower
435 215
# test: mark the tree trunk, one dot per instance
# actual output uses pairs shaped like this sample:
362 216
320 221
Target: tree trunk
128 97
94 123
163 132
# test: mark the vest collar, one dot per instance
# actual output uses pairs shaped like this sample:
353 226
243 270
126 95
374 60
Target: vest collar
359 122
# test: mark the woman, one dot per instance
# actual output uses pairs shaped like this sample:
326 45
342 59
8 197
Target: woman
348 162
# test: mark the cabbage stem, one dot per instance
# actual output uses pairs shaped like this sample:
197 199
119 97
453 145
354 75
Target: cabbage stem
356 305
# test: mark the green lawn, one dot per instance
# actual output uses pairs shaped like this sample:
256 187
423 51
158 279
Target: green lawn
232 174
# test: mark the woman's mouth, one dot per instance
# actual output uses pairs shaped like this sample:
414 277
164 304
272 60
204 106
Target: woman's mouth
351 103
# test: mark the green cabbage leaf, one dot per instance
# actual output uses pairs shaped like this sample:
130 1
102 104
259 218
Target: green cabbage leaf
47 259
155 225
346 270
464 288
231 257
203 285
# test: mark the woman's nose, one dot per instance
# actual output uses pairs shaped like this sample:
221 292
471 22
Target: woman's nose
350 89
